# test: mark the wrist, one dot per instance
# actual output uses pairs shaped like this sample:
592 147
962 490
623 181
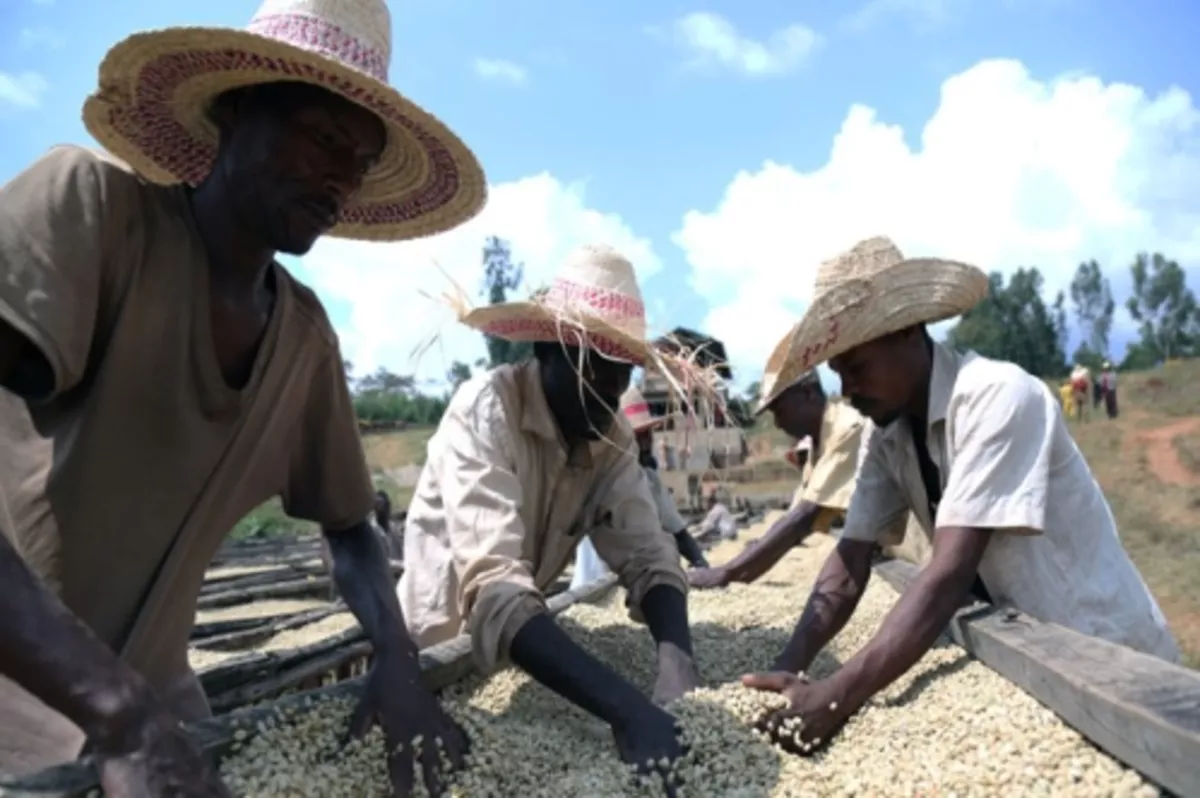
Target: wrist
115 715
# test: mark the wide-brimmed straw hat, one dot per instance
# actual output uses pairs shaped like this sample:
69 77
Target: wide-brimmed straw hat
156 89
771 389
866 293
594 302
637 411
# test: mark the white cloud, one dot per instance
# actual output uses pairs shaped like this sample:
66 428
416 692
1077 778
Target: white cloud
711 40
1010 171
23 90
391 287
500 70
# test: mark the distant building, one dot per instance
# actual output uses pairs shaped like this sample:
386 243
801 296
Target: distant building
682 443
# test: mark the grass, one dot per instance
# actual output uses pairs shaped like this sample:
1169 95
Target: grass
1187 448
386 453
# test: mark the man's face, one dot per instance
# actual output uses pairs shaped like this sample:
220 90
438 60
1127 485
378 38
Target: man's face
294 156
798 411
880 377
584 389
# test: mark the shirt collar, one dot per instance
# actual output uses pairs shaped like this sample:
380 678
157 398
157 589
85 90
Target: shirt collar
946 363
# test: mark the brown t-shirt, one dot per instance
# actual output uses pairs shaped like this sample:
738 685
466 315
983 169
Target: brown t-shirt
120 484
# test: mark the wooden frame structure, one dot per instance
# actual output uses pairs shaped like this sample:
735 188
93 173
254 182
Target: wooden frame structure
1137 708
441 666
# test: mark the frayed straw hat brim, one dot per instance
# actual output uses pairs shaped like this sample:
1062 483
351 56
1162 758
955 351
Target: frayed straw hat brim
533 321
850 312
151 110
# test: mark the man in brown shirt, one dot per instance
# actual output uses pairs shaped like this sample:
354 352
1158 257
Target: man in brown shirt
163 375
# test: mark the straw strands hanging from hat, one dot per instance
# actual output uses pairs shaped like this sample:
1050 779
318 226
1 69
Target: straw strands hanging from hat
594 303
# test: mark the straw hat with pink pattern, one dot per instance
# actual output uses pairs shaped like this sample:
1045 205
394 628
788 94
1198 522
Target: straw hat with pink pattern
156 88
593 303
637 411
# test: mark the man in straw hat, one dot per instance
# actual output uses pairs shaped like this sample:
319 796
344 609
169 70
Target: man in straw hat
801 409
589 566
978 450
528 460
165 375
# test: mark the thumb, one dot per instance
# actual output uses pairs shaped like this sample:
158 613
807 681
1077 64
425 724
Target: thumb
777 681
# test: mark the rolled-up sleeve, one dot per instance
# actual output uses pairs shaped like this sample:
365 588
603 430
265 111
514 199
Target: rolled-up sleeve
482 496
1002 436
878 508
632 542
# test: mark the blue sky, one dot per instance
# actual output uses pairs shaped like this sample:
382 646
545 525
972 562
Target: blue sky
728 148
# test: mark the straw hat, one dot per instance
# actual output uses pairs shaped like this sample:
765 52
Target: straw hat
771 388
866 293
637 411
594 302
156 88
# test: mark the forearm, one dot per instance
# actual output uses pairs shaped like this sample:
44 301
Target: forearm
831 604
689 549
363 577
550 656
762 555
665 610
908 631
53 655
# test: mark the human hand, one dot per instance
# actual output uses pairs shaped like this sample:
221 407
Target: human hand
415 726
816 710
157 758
706 578
648 739
677 675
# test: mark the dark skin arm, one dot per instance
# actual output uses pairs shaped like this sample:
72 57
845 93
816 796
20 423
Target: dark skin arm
762 555
920 615
833 599
47 650
908 631
394 696
642 730
689 549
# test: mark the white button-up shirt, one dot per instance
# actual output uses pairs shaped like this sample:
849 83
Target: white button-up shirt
1008 463
500 507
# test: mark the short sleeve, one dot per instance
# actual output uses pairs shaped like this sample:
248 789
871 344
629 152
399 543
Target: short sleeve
832 481
61 221
878 507
328 481
1001 437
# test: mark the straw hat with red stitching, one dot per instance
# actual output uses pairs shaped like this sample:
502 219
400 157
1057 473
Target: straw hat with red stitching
151 108
866 293
637 411
593 302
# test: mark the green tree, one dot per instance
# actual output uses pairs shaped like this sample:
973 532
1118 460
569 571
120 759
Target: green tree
1091 294
1014 323
501 277
458 374
1166 309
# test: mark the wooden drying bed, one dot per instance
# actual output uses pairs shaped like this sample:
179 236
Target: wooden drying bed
1137 708
441 665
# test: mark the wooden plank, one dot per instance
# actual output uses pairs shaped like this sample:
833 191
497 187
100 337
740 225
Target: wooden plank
239 639
441 666
292 588
1139 709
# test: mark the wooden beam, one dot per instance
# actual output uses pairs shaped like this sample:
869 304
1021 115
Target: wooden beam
441 666
1141 710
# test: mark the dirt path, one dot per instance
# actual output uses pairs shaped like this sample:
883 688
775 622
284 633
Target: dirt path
1161 455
